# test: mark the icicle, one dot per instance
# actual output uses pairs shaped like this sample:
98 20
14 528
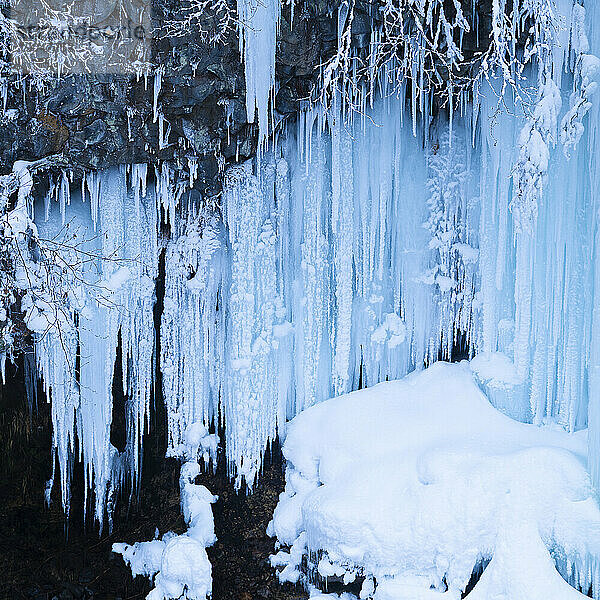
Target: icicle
139 175
342 223
193 169
259 24
155 94
312 368
112 290
63 195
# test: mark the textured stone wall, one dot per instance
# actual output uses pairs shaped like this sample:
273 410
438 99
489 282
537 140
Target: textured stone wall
102 120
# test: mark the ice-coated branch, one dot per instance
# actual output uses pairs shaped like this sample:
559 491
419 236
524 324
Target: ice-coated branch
211 20
585 84
418 46
22 280
529 174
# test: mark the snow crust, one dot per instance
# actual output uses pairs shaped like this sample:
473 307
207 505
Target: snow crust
418 482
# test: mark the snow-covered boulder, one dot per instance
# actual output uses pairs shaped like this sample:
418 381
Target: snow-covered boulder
416 483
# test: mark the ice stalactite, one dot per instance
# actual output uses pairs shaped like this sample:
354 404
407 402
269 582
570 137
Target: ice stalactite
192 326
496 264
452 223
169 190
98 338
342 225
259 24
312 276
56 358
141 248
111 277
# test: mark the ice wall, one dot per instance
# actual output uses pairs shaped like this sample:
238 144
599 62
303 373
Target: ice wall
351 253
364 246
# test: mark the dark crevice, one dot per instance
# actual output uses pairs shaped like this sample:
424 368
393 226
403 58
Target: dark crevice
475 577
240 557
118 425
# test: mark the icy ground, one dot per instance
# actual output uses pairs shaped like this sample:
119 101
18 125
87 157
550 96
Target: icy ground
414 484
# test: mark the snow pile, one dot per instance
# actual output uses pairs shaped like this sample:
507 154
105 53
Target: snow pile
179 563
414 484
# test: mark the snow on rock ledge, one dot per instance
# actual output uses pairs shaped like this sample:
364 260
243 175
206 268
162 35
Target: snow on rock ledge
415 483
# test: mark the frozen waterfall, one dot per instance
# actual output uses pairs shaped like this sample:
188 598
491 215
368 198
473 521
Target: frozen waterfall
360 247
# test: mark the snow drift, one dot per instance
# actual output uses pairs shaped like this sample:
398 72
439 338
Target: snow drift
414 484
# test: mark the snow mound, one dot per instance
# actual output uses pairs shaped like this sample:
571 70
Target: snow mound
414 484
179 564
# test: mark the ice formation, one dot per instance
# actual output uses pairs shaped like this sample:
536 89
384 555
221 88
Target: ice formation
107 250
413 485
351 256
359 247
178 564
192 329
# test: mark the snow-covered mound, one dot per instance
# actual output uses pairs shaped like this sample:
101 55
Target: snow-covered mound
178 564
415 483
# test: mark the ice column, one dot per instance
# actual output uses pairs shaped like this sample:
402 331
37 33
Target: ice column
257 357
113 248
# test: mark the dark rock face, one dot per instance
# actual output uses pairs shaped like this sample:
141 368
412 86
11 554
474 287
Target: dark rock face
302 46
102 120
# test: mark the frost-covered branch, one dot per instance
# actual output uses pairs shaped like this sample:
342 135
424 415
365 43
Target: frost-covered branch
535 140
419 46
210 20
41 281
585 84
